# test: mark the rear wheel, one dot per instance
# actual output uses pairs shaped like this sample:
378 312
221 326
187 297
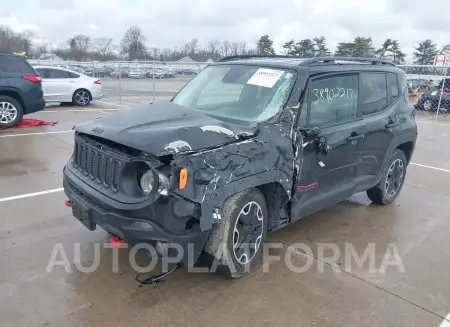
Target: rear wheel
81 98
387 190
236 241
11 111
427 105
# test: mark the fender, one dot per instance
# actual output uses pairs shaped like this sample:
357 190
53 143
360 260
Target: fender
214 199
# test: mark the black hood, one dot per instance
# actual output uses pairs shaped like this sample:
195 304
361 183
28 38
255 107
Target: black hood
164 128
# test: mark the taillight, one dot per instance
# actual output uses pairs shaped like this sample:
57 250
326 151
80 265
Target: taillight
98 82
32 78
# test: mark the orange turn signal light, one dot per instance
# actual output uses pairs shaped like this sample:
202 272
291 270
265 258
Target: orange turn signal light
182 180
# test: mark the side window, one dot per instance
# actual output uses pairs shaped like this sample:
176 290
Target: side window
393 86
40 72
73 75
56 73
333 100
11 64
373 93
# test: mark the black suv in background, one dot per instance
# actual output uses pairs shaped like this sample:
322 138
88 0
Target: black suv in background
249 145
20 89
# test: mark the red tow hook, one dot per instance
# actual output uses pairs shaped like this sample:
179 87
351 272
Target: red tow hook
116 242
68 203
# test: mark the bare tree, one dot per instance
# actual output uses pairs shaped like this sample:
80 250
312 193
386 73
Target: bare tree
133 43
235 48
213 48
193 46
104 47
40 49
226 47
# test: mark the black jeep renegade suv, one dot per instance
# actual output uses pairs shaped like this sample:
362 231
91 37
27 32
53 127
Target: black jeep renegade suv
250 145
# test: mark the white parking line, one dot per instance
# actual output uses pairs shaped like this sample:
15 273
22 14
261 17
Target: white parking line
29 195
432 122
114 104
81 110
30 134
445 322
431 167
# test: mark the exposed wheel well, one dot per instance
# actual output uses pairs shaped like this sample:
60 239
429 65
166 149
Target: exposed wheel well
277 200
15 96
407 149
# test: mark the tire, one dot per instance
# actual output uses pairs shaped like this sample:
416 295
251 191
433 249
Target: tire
382 192
81 98
220 243
11 111
427 105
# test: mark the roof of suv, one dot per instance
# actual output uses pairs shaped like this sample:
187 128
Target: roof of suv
315 64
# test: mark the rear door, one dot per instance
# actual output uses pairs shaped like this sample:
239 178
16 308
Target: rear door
379 107
327 179
58 85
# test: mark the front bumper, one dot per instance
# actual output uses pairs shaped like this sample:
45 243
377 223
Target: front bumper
164 221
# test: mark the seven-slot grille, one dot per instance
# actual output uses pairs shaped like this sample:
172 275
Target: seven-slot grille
92 161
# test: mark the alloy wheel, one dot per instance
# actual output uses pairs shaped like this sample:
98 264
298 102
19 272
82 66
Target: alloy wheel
394 177
248 232
427 105
82 98
8 112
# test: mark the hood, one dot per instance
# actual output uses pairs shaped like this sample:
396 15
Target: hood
164 128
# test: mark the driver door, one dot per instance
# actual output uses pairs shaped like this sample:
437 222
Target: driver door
328 178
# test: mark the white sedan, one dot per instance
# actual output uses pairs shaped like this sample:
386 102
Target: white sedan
65 85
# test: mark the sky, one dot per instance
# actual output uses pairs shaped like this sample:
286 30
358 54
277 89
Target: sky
170 23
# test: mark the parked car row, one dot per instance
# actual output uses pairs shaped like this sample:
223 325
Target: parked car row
435 96
128 72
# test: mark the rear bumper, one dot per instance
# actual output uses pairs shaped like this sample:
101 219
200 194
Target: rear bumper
97 96
150 225
33 106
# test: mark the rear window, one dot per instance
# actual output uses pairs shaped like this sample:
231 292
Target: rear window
10 64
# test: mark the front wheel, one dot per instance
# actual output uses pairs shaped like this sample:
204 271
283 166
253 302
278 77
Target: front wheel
387 190
236 241
81 98
11 112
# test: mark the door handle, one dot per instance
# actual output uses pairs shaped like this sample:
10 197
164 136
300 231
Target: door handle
396 123
355 137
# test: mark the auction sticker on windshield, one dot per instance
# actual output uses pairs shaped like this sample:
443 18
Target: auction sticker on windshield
265 77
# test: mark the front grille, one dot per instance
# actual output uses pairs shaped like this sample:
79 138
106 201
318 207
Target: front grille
96 163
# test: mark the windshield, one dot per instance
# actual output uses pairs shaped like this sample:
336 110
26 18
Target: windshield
238 92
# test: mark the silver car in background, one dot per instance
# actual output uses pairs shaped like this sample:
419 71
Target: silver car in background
67 86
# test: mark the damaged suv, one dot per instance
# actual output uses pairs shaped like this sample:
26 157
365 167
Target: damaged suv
251 144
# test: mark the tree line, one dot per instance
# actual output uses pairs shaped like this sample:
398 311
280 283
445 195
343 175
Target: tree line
133 46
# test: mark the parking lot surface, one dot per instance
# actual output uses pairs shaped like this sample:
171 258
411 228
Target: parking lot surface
34 220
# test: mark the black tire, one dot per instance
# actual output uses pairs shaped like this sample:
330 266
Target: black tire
219 244
7 102
380 193
81 93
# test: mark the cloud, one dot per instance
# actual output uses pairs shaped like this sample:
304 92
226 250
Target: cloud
167 23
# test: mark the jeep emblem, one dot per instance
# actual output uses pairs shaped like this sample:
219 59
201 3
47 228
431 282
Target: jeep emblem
97 130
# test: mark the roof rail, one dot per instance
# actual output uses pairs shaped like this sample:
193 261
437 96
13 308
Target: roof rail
331 59
239 57
313 60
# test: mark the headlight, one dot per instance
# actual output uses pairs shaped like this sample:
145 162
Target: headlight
147 182
151 179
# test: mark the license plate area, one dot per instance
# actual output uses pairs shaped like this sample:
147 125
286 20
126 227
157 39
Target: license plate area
83 214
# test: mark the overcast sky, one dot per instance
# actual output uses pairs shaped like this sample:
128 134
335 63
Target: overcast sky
167 23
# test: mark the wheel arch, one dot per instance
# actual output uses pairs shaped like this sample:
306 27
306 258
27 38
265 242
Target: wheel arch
15 95
82 89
